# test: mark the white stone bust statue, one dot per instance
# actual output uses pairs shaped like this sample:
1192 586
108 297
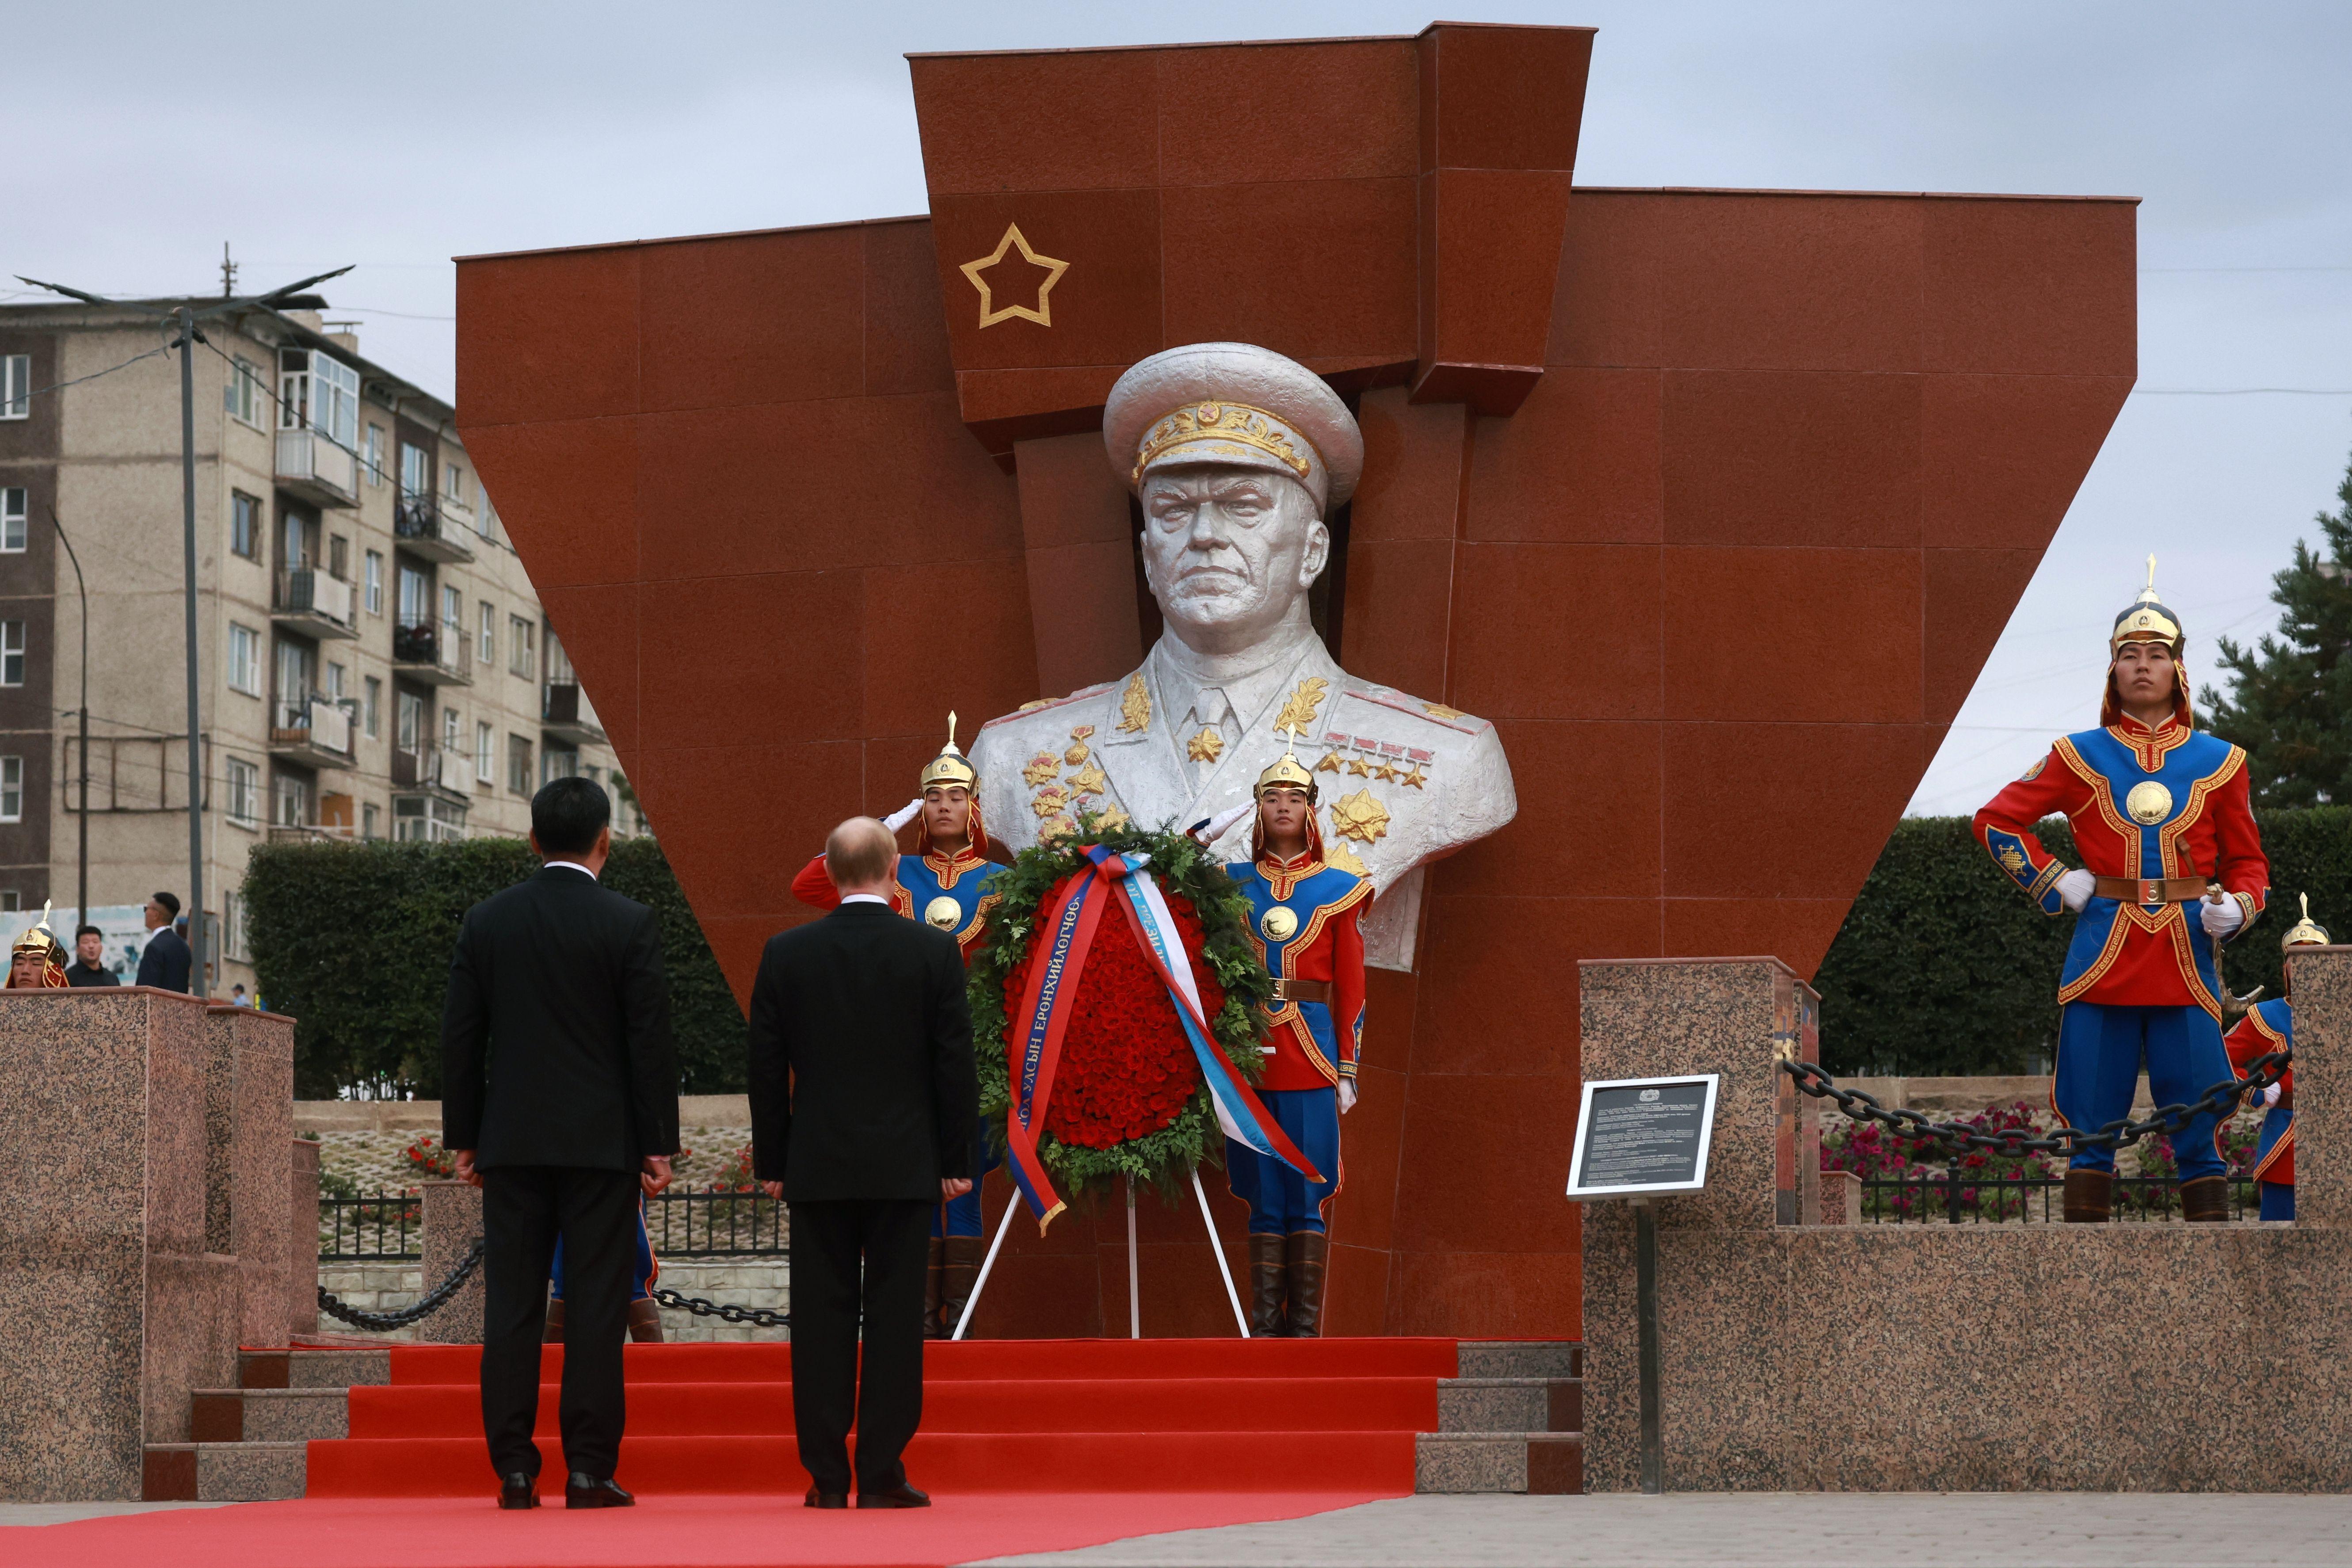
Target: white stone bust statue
1237 453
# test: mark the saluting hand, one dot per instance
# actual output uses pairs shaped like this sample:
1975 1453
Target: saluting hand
656 1177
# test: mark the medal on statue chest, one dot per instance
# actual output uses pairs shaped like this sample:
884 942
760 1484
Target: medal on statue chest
2148 803
1279 923
943 912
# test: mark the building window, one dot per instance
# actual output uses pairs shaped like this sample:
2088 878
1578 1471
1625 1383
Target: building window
453 625
243 791
8 900
408 723
487 520
339 558
320 392
415 593
243 396
518 764
293 802
374 454
12 521
233 946
244 659
374 583
11 653
245 524
558 764
336 677
374 710
427 818
16 386
415 472
452 732
486 650
453 482
486 762
371 821
12 789
518 654
294 549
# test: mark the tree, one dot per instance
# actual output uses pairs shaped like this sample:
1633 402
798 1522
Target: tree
2290 702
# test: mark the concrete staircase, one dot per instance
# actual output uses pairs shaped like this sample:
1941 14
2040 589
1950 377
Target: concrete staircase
1512 1420
251 1443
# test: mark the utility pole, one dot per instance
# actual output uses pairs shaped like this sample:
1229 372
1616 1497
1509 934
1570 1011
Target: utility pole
81 880
184 317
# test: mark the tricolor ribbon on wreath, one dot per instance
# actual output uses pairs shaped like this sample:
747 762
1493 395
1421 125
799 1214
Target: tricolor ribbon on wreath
1076 912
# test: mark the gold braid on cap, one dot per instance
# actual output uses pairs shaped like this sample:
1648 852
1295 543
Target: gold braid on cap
1233 422
1287 772
950 768
2147 620
2306 931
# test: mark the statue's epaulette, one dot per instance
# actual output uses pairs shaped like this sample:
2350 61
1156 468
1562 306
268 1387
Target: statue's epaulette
1044 704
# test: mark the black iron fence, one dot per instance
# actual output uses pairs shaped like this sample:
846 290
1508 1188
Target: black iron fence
381 1226
1933 1198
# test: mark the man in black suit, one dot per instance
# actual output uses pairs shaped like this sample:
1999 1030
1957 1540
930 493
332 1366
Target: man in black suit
166 960
559 1097
89 947
863 1099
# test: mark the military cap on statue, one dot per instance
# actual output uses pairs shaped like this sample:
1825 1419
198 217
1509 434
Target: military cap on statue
1233 403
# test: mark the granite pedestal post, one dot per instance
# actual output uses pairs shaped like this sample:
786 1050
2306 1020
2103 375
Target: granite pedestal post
248 1121
2129 1356
118 1309
452 1222
302 1239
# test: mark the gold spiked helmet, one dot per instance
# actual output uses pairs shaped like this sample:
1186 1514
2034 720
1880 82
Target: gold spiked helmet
38 937
2306 931
1287 772
950 768
2147 619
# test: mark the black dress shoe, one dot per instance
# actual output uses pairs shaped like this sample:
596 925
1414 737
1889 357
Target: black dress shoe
901 1496
518 1490
583 1490
817 1499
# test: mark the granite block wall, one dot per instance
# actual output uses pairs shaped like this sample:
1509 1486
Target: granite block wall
453 1219
1863 1357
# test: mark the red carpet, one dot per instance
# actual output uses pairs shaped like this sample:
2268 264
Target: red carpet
1232 1416
660 1532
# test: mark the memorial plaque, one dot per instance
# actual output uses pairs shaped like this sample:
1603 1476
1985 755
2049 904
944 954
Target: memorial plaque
1644 1135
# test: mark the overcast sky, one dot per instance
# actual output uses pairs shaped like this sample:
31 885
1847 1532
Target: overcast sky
309 136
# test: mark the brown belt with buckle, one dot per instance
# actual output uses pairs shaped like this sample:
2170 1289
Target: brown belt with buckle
1303 991
2151 891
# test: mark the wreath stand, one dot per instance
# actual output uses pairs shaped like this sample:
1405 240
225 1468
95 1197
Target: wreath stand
1134 1291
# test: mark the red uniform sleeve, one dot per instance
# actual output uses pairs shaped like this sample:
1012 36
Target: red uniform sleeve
2245 1043
2005 827
2241 867
1348 986
814 887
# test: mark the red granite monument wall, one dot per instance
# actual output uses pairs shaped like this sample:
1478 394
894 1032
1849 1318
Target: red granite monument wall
1716 511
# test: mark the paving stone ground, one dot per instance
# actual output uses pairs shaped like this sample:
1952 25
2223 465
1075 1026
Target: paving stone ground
1765 1529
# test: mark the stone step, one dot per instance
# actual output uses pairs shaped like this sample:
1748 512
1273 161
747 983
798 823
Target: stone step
1510 1405
1521 1358
224 1472
1539 1462
269 1415
313 1368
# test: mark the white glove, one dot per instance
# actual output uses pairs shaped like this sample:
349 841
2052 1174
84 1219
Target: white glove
2075 888
904 815
1216 825
1347 1094
2271 1095
2221 918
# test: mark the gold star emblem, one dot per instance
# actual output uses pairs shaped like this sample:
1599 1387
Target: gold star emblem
1361 768
1051 801
989 315
1416 779
1434 709
1090 780
1386 773
1205 747
1043 768
1360 817
1110 821
1330 765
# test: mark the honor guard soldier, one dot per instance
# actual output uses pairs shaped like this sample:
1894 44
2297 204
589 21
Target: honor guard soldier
945 883
2269 1027
2172 868
37 962
1302 921
645 1312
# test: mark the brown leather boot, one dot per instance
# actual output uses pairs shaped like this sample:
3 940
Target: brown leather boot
645 1321
553 1333
2206 1200
1305 1255
1266 1282
958 1275
931 1329
2090 1196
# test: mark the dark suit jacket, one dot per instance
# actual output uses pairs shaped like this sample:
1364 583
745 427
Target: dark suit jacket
80 973
166 961
861 1078
555 1042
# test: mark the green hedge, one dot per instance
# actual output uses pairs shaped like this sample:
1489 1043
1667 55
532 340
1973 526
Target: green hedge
354 940
1943 967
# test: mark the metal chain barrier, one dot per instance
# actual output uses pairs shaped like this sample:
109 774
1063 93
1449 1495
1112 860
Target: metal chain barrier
432 1301
2220 1099
758 1317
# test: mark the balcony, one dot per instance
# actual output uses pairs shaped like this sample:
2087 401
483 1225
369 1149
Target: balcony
315 604
431 769
564 714
315 733
315 469
422 525
433 655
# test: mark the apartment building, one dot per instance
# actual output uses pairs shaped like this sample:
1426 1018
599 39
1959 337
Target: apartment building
373 662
